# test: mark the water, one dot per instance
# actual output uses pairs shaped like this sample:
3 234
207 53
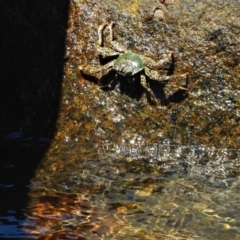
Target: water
124 190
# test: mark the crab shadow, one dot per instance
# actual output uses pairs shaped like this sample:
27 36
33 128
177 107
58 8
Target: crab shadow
131 87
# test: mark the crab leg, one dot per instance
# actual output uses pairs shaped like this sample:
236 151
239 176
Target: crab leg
148 89
164 63
106 52
154 75
100 70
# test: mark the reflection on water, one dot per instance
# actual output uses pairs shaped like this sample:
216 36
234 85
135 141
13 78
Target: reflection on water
131 189
116 191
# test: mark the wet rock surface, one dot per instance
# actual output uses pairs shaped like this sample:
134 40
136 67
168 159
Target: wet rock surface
208 50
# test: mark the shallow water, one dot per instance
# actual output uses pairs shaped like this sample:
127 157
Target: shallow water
115 191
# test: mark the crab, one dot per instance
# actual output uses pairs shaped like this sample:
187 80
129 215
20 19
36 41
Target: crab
129 64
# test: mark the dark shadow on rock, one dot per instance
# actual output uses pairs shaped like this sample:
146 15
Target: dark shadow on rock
128 85
131 87
179 96
32 46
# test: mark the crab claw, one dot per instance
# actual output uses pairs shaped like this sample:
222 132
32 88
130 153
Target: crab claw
100 34
110 26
